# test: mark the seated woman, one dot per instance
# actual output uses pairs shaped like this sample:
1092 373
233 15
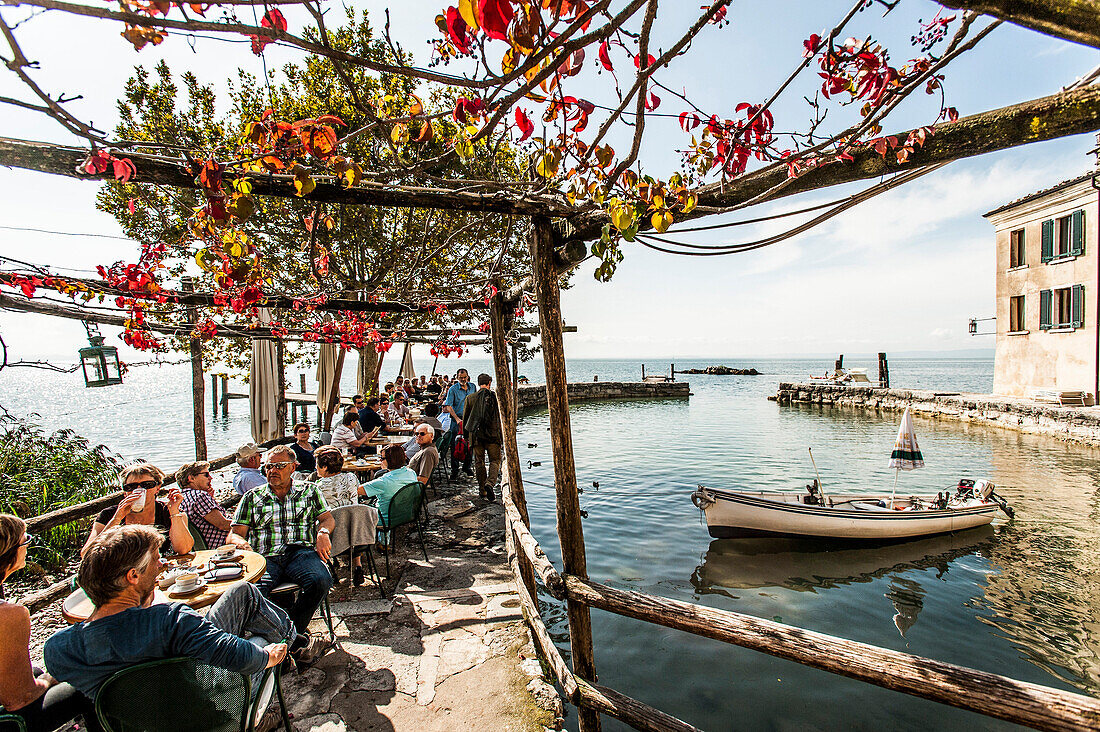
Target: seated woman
141 481
339 489
397 476
344 439
26 691
303 448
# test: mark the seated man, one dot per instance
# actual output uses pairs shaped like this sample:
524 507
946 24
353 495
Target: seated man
344 438
426 457
371 419
202 510
289 523
119 573
431 416
398 409
248 477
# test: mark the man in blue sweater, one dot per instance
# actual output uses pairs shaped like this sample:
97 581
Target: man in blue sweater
119 574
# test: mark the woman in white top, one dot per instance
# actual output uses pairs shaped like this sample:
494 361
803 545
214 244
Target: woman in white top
339 489
343 437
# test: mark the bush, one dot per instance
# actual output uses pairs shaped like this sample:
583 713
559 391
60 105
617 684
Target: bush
40 473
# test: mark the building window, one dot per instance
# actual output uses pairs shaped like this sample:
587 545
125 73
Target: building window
1062 308
1016 314
1016 249
1064 236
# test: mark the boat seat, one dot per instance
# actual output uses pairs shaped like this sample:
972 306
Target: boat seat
870 506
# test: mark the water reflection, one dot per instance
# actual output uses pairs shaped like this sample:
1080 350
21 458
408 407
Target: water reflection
809 565
908 598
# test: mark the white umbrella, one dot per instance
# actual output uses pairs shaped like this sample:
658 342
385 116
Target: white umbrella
263 377
407 371
906 454
330 364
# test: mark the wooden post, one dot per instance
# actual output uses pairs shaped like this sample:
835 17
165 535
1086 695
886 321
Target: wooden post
302 382
500 322
883 372
198 385
570 532
214 394
839 362
224 378
643 372
515 377
280 386
672 372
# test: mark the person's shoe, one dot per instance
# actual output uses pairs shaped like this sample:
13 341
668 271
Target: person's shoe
358 576
311 651
271 720
489 496
468 472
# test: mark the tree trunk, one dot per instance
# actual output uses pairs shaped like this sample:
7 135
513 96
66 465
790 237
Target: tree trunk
1073 20
366 376
198 386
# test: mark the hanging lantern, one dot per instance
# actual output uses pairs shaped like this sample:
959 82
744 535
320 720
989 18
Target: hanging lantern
100 362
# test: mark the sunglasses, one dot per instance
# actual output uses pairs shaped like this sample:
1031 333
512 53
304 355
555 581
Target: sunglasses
28 538
278 465
419 434
306 431
143 485
206 473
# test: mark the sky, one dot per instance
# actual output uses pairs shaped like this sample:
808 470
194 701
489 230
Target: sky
902 272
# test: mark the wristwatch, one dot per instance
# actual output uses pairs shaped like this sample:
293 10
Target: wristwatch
323 530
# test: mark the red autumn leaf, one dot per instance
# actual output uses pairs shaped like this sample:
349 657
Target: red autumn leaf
605 58
273 19
123 169
457 30
494 16
638 62
525 125
332 120
131 206
811 45
653 102
689 121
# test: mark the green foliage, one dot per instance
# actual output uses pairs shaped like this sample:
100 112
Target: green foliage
41 473
403 254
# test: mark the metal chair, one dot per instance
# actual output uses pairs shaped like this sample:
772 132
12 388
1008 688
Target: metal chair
404 509
183 694
343 516
11 722
325 609
200 542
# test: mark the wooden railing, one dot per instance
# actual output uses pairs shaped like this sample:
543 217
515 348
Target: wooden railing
990 694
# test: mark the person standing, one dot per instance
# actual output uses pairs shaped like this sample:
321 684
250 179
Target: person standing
454 405
483 430
290 525
26 691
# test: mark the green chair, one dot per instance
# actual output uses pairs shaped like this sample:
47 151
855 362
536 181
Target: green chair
11 722
200 542
325 609
185 695
443 444
404 509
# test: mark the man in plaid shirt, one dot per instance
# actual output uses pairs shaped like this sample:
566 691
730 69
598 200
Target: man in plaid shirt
289 523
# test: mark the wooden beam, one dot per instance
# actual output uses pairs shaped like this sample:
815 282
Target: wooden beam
571 535
1072 20
997 696
62 160
539 561
198 385
635 713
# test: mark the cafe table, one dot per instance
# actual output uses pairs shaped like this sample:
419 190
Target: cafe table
78 607
363 465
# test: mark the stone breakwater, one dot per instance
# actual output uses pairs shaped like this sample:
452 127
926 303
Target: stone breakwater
1072 424
535 396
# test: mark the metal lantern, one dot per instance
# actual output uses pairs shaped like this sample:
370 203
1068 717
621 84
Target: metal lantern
100 362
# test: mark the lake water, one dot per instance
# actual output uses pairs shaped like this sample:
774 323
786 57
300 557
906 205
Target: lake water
1020 598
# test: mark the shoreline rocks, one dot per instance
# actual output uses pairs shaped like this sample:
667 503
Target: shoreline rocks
720 371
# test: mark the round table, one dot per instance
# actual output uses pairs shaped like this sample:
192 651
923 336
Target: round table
370 464
78 606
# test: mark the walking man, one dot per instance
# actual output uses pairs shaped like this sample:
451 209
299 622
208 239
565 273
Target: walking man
481 418
454 405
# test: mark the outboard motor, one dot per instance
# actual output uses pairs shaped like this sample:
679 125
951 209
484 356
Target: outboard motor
813 497
983 489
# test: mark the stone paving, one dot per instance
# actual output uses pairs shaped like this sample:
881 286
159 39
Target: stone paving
447 650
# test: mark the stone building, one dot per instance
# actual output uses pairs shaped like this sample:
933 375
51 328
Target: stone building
1048 290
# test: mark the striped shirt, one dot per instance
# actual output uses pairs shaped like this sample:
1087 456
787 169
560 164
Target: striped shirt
197 504
273 525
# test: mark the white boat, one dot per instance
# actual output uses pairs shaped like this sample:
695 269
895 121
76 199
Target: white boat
732 513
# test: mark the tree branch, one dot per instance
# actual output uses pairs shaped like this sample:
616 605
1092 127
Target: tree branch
1072 20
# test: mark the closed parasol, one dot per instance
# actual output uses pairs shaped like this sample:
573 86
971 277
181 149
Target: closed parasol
906 454
263 377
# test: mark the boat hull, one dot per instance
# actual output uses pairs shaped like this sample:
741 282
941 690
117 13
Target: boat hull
739 514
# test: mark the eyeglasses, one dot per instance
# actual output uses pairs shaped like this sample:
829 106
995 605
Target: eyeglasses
306 431
206 473
143 485
421 434
279 465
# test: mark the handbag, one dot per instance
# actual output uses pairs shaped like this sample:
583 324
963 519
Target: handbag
461 449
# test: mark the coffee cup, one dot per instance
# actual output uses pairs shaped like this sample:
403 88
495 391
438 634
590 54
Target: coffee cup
225 550
187 581
139 503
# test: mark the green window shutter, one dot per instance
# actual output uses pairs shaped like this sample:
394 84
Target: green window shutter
1048 240
1046 299
1077 233
1077 314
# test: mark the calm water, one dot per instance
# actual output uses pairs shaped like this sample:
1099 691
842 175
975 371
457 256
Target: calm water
1019 598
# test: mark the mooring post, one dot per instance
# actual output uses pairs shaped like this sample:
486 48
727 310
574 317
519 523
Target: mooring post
570 532
225 394
280 394
214 394
198 385
840 362
500 321
883 372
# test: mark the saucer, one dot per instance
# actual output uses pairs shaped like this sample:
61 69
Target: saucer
199 587
228 557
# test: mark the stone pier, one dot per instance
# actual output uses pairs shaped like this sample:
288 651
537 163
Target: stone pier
1072 424
579 391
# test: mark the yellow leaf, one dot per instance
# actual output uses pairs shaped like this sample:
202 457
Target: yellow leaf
399 134
469 13
661 221
690 202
